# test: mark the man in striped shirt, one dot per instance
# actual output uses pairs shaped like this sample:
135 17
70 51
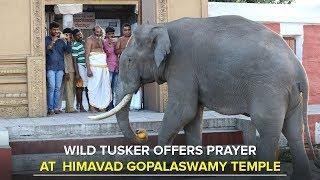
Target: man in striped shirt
78 53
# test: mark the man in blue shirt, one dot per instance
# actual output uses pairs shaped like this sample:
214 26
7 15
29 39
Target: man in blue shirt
55 49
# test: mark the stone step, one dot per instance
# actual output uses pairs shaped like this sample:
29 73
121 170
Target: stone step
81 127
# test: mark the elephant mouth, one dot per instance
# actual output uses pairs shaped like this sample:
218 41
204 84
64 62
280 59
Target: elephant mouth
145 81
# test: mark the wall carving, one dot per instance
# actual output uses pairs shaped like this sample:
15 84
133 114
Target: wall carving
13 95
162 11
37 28
36 63
163 97
12 70
13 102
13 111
162 17
36 87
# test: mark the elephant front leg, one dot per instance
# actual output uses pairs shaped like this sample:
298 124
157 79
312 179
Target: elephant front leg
180 111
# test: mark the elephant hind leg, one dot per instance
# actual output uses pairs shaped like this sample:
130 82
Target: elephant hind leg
269 137
269 126
267 114
293 131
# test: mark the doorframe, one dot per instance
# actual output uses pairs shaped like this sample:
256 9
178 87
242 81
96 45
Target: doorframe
36 73
100 2
36 68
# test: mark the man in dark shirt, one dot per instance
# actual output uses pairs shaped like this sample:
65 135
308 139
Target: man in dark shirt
55 49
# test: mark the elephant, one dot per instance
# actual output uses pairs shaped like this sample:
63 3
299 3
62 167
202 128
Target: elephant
228 64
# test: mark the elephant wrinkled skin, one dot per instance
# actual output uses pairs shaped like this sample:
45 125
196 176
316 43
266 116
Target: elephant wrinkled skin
229 64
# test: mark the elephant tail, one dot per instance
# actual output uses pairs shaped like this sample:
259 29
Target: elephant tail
305 95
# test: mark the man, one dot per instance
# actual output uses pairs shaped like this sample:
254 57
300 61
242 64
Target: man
99 89
78 53
121 45
109 46
68 84
124 40
55 50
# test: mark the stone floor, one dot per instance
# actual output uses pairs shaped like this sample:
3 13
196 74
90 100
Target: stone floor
71 118
140 115
78 125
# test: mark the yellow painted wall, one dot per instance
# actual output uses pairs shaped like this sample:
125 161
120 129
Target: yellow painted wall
15 27
186 8
15 47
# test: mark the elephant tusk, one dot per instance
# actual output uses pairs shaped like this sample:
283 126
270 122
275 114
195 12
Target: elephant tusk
113 111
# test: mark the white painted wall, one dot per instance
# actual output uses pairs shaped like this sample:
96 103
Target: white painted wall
291 13
317 133
4 137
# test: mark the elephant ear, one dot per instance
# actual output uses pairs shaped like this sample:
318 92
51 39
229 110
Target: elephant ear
161 43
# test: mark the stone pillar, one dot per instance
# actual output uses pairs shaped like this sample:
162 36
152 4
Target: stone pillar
36 71
5 155
68 10
67 21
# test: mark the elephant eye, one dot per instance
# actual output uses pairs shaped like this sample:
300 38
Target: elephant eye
129 59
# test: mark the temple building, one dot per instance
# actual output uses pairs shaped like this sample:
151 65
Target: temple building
22 51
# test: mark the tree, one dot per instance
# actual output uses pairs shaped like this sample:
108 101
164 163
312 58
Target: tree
257 1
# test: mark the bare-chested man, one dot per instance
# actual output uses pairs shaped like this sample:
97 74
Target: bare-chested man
99 89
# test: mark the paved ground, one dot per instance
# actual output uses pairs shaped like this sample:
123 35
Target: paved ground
135 116
71 118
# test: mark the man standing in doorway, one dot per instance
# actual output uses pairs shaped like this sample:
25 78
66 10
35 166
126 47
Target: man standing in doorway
78 53
99 89
124 40
68 84
109 46
55 50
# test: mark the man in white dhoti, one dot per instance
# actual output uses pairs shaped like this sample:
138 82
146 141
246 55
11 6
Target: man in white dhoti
99 89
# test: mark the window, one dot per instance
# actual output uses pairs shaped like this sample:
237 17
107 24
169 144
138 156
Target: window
291 41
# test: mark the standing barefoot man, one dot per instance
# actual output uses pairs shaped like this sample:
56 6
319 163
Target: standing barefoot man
78 54
99 89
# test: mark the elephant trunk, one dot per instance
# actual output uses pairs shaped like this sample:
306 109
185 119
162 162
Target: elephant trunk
122 115
123 122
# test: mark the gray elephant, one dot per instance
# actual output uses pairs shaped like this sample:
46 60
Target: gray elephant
229 64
